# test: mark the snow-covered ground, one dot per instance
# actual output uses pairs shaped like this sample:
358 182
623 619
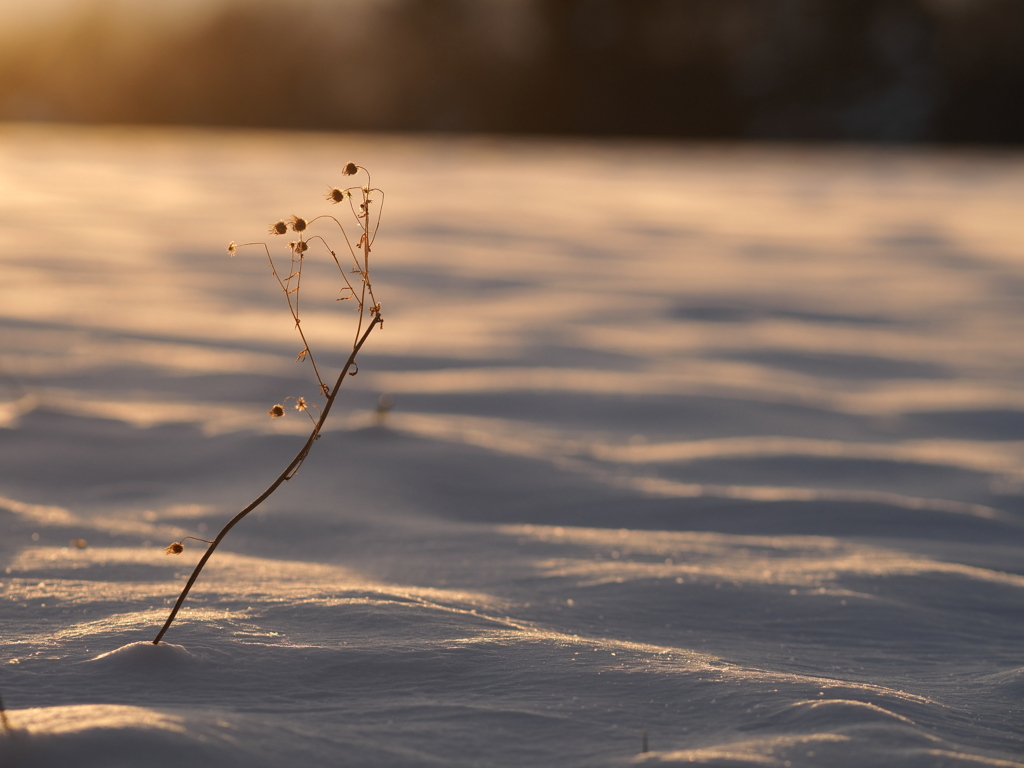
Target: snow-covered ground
720 444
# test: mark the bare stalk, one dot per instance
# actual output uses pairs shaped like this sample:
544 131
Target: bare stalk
285 475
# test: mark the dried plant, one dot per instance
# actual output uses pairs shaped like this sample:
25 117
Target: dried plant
364 203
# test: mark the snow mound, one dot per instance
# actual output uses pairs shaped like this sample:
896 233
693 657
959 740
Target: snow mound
117 736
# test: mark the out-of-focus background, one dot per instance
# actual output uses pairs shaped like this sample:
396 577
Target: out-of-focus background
946 71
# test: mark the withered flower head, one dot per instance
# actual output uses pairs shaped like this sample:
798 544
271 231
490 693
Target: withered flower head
276 412
175 548
350 169
300 404
232 248
279 228
298 223
336 195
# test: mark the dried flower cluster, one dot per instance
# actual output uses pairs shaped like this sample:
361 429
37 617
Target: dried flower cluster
354 284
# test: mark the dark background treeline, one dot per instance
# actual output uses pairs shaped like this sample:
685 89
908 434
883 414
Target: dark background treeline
869 70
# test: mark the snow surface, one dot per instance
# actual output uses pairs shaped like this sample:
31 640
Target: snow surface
720 444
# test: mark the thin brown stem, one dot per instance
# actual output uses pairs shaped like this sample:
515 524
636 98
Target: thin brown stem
294 310
285 475
380 211
344 234
341 270
364 268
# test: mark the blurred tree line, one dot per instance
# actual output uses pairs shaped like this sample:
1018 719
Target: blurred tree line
887 70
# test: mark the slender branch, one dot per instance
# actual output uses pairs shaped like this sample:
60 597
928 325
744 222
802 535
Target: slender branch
380 211
285 475
294 310
341 270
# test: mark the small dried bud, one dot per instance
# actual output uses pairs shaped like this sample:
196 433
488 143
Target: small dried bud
299 247
175 548
276 412
298 223
279 228
300 404
336 195
350 169
232 248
